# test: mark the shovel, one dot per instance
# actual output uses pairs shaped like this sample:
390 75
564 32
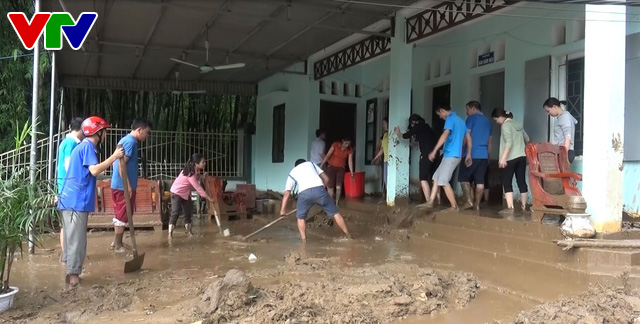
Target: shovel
138 259
269 225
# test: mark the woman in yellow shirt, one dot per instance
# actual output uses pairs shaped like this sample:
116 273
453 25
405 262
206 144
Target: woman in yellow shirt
384 152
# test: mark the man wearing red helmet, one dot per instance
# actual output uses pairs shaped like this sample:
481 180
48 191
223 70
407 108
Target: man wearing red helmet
77 198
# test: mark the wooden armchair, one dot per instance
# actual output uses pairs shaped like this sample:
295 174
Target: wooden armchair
147 209
225 203
553 185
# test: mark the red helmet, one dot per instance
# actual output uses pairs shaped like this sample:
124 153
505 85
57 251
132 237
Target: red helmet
94 124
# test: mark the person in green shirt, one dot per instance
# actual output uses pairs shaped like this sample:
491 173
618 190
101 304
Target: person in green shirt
383 152
513 160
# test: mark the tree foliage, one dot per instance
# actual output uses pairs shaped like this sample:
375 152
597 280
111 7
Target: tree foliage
16 68
167 111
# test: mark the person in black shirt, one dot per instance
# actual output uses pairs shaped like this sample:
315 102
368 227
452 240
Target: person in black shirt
426 140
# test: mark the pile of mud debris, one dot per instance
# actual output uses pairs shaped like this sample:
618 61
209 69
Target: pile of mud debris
330 294
76 305
598 305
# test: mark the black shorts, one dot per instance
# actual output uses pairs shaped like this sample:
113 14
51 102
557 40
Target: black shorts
486 176
571 155
425 168
475 173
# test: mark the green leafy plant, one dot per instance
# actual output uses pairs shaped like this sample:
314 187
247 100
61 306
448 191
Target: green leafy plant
24 208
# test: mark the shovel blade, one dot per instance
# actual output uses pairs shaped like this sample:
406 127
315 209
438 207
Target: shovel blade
134 264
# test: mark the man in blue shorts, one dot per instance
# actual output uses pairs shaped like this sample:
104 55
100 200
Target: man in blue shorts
311 182
480 130
454 135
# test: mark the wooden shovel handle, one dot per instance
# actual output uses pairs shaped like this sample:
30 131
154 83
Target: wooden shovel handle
269 225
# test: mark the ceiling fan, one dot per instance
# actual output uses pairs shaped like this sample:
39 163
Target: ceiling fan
178 92
206 68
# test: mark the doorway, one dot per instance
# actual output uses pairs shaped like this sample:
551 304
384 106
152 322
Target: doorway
338 119
492 96
441 95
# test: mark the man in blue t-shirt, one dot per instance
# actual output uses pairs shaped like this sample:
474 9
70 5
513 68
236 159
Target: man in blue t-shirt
67 145
480 129
77 198
140 130
455 134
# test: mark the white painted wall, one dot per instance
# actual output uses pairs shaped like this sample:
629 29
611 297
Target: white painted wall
526 31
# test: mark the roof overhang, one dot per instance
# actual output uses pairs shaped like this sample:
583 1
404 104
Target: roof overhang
132 42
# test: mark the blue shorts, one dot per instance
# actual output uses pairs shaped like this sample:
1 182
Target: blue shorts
476 173
315 196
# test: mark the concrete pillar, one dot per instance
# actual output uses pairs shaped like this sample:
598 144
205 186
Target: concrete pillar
604 114
399 111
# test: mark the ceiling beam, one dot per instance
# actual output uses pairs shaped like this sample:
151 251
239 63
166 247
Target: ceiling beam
214 87
307 5
196 38
229 12
306 23
274 13
278 69
146 41
105 17
294 37
134 56
190 51
263 23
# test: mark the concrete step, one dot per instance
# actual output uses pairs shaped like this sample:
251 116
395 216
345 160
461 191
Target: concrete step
491 221
522 275
508 245
513 242
612 257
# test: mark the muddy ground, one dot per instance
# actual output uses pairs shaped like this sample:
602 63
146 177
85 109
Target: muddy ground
321 284
380 294
299 290
376 278
598 305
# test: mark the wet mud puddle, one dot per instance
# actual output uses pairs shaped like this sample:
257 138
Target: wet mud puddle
379 277
489 305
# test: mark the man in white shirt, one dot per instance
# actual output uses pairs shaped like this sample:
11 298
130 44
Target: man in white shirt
310 180
317 148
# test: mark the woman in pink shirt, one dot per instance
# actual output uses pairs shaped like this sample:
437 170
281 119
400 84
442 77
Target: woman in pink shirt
188 180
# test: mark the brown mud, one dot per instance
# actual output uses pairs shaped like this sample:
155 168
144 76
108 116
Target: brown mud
598 305
379 277
381 294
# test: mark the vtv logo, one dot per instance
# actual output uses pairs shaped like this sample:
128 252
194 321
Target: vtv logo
54 24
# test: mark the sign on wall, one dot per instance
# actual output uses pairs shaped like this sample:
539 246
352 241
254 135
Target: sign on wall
484 59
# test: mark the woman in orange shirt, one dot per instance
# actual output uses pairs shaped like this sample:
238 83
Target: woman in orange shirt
337 158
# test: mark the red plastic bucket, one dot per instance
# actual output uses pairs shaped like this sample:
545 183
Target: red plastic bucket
354 188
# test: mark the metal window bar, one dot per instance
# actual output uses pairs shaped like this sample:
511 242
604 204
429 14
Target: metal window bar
162 155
